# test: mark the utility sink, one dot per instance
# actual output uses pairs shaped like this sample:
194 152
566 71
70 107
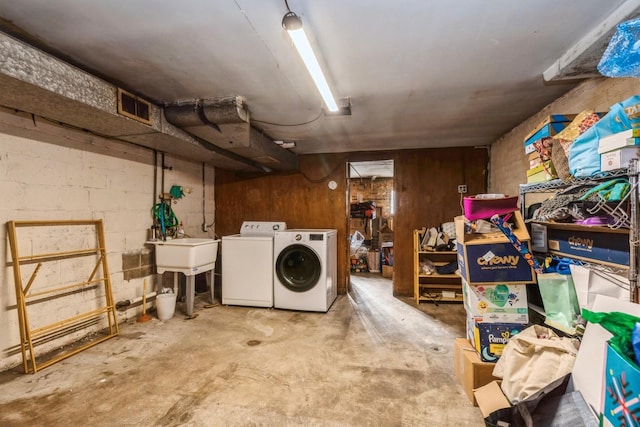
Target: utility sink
188 255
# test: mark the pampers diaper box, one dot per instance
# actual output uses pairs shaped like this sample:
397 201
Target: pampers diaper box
490 258
491 338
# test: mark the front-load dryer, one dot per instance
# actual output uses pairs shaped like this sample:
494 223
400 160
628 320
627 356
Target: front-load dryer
305 272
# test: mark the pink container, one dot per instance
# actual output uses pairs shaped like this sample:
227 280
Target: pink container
483 206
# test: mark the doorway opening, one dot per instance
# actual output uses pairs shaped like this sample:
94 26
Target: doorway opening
370 198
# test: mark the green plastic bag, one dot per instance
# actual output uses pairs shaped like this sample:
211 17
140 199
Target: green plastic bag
560 300
620 325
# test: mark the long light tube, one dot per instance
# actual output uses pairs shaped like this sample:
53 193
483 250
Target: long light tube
303 46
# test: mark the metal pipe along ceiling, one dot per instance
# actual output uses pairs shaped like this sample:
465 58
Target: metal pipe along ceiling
233 135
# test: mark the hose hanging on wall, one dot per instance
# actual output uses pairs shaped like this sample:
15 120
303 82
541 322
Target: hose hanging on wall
167 219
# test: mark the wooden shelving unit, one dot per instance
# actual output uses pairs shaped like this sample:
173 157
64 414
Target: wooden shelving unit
434 287
32 292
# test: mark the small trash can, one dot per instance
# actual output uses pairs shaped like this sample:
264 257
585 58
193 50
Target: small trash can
166 305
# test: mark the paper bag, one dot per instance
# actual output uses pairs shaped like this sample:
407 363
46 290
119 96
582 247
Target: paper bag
591 283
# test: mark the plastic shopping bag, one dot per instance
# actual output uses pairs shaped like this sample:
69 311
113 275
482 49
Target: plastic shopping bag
621 58
560 301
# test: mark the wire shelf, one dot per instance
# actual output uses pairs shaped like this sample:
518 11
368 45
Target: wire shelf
558 183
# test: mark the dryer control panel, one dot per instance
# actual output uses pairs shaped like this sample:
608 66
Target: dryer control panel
261 228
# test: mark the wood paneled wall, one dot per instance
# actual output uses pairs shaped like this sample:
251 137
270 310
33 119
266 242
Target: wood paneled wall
425 181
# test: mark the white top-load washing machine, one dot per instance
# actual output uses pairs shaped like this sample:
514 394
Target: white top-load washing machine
247 264
305 273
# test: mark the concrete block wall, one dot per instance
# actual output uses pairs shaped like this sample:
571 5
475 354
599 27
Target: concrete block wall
508 163
49 172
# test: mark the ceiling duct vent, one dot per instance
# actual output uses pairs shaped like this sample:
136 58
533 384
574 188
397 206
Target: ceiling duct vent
133 107
224 122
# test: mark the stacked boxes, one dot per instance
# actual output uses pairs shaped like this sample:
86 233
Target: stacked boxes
616 150
616 141
501 303
540 167
494 282
549 127
490 258
541 173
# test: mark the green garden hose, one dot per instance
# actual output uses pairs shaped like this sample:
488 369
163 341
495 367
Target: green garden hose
166 217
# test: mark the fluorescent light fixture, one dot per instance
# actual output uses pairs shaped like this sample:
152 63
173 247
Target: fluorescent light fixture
293 24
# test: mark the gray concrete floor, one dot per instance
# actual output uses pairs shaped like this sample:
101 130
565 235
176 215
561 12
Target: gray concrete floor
372 360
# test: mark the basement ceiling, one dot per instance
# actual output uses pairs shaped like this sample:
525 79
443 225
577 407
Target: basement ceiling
417 73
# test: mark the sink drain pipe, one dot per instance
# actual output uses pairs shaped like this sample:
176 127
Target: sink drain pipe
129 302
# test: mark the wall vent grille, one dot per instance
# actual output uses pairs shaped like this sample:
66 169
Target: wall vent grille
133 107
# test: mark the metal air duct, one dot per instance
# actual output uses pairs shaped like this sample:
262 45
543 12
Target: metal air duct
224 122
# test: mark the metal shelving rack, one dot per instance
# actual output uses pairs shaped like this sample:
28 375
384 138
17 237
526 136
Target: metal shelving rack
634 240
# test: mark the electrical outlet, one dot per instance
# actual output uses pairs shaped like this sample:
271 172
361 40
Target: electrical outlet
462 189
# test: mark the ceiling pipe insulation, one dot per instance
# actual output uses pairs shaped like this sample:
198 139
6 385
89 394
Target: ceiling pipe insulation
41 85
230 109
226 110
224 123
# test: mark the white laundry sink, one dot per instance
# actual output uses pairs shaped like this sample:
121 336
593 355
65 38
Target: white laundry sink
188 255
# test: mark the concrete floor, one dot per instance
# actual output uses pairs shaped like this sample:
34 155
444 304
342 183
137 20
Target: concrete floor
372 360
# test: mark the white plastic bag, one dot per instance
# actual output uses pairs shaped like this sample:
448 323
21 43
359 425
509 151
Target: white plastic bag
591 283
357 238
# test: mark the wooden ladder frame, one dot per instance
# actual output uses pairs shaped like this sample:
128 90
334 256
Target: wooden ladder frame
24 293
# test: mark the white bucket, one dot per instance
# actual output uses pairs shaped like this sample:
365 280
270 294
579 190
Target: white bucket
166 305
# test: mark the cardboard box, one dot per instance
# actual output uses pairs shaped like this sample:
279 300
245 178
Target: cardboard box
490 398
533 156
541 173
490 258
491 338
493 263
622 382
534 159
619 140
551 125
499 303
517 225
534 163
387 271
603 245
618 159
470 371
470 327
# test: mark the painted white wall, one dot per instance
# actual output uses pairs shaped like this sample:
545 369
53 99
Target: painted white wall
48 172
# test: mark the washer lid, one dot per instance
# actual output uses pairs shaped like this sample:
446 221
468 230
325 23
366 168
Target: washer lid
261 228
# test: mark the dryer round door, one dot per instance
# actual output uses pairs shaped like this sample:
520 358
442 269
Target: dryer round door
298 268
